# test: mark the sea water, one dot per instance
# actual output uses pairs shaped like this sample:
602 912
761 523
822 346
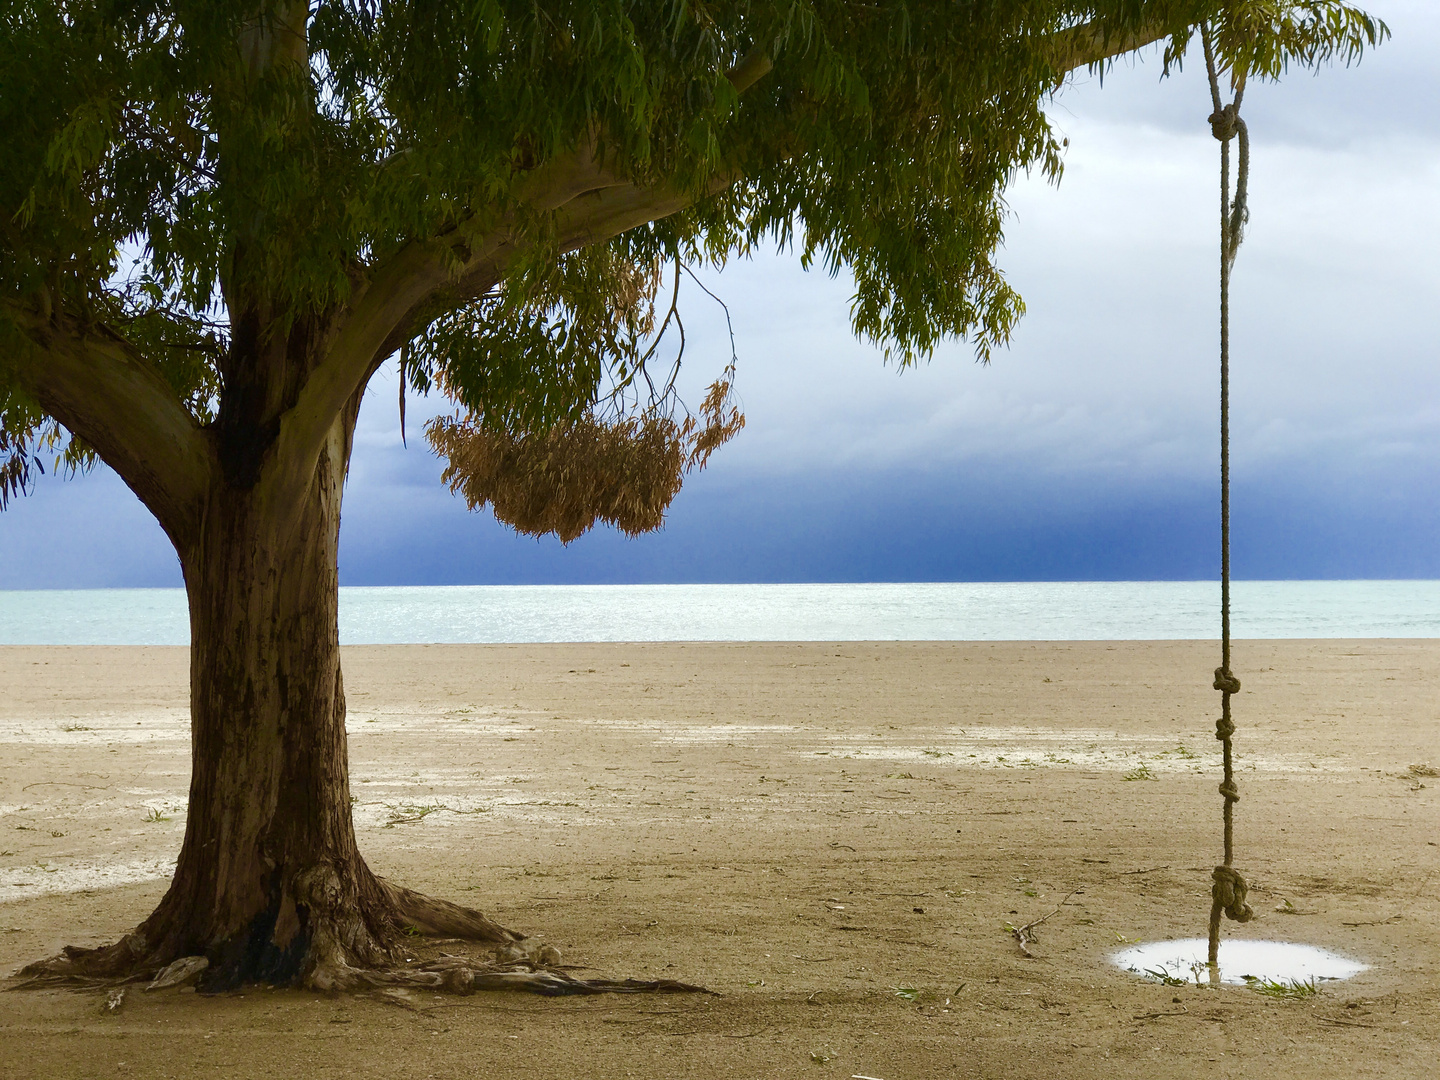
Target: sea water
939 611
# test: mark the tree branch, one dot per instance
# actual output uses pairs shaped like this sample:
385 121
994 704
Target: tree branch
592 203
394 290
1092 43
755 65
381 314
562 178
101 389
379 319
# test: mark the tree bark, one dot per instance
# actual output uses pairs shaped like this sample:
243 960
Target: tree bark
270 885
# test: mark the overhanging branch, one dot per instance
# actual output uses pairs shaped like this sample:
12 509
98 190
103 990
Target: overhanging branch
1092 43
394 290
592 203
404 282
98 386
750 70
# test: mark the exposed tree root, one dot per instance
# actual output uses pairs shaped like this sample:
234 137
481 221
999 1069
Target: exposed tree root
440 918
515 962
464 975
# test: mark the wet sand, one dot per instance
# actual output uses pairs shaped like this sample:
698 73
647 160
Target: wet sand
835 837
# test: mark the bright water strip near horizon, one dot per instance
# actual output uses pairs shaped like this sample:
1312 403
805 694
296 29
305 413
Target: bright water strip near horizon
941 611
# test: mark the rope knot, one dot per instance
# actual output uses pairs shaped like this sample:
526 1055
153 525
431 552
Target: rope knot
1225 680
1225 122
1229 892
1230 790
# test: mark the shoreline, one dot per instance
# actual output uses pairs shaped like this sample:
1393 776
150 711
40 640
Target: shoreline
876 611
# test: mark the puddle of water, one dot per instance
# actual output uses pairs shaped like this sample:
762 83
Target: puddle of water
1240 961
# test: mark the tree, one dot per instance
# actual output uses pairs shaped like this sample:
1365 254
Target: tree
219 218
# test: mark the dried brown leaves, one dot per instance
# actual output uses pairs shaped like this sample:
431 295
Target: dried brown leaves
624 472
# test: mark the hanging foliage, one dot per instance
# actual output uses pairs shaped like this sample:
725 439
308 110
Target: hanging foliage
621 471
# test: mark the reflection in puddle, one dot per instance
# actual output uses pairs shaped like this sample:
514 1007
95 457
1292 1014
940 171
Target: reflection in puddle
1241 962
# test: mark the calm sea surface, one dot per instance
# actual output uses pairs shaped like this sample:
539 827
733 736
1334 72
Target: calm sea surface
1008 611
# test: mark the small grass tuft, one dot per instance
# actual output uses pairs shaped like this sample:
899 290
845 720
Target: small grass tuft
909 993
1165 978
407 813
1140 772
155 816
1283 988
403 815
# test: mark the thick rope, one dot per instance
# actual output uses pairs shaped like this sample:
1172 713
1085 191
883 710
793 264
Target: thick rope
1228 889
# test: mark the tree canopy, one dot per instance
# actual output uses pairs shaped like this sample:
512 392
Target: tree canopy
500 191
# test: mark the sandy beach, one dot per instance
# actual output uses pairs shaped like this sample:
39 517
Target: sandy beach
833 837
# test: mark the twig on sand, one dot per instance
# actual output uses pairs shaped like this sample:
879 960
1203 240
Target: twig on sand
1025 935
1344 1023
1375 922
1157 1015
697 1031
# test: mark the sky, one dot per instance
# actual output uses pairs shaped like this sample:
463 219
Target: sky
1087 450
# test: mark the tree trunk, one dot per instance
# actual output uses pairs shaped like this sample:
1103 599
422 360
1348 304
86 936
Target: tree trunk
269 883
